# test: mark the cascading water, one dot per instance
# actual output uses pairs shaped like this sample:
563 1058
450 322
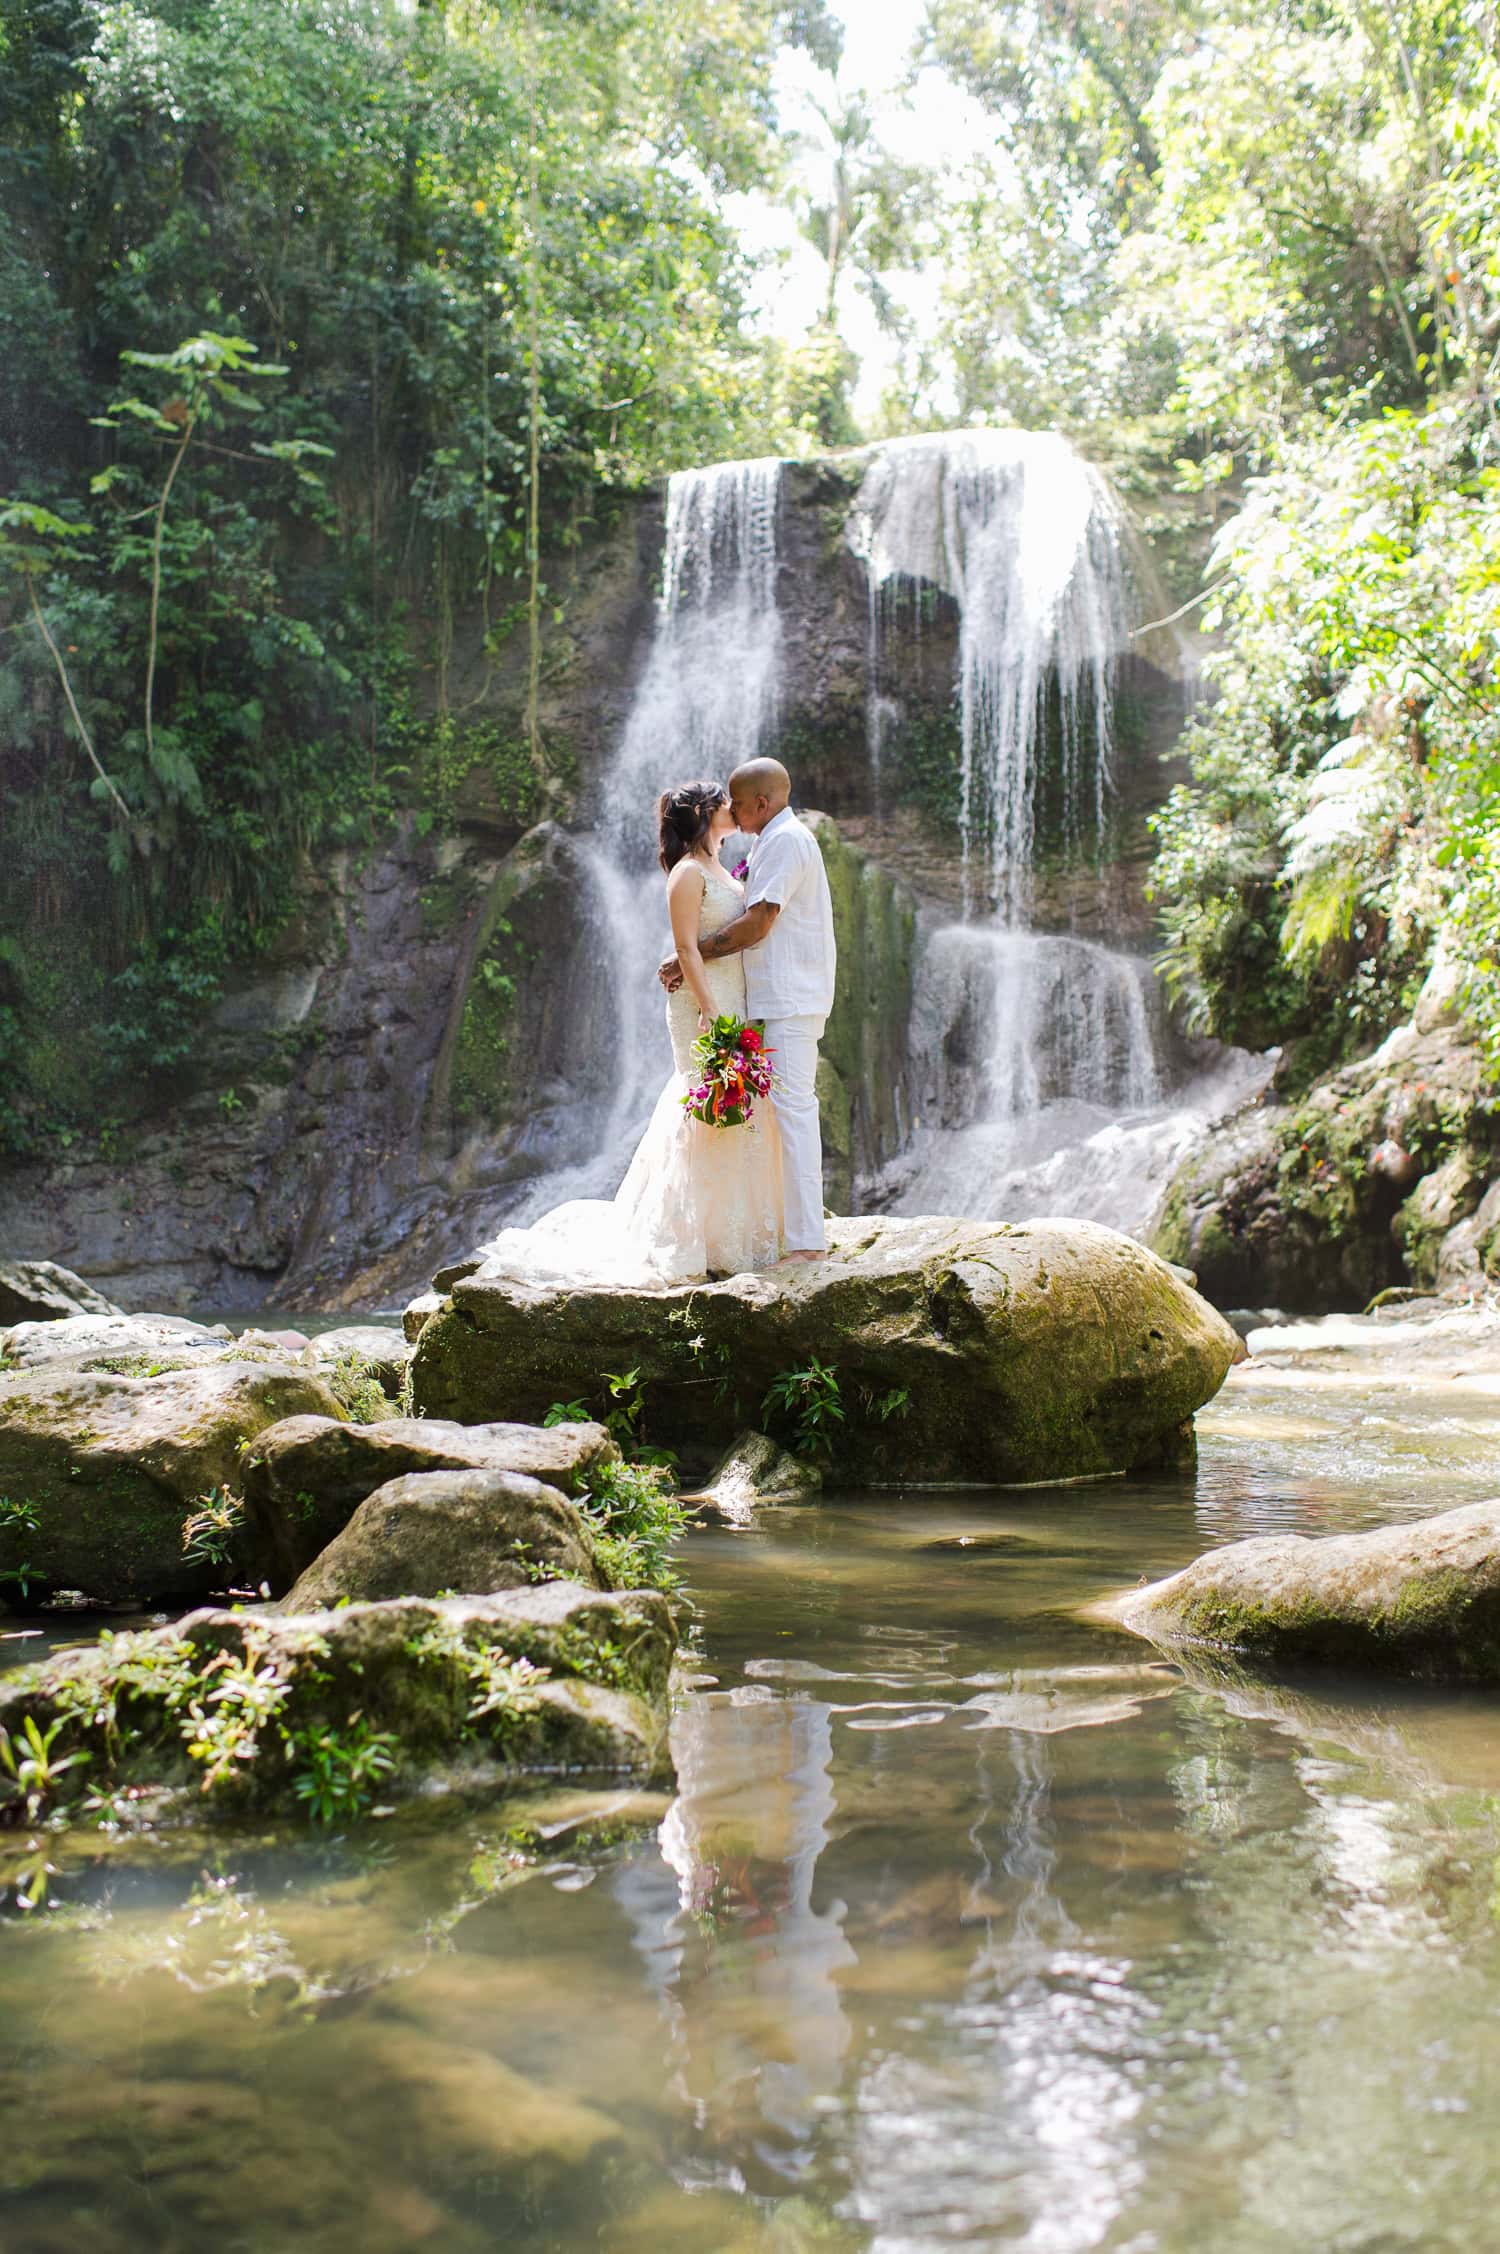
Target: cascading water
1037 1056
706 701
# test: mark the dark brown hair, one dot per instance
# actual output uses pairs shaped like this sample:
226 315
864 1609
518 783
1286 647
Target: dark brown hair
683 816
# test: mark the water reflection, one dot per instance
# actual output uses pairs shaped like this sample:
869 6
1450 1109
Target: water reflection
970 1925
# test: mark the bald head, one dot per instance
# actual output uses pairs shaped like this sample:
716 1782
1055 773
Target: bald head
757 793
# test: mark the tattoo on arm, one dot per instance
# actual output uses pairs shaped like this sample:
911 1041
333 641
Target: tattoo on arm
747 930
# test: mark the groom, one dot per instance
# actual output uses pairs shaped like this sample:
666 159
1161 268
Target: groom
785 930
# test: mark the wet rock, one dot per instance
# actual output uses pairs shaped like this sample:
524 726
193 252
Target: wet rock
754 1470
1349 1191
143 1340
462 1531
963 1350
1418 1600
435 1682
305 1478
106 1465
38 1291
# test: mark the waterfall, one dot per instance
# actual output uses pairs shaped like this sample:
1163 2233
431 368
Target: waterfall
1027 539
1037 1057
706 701
1039 1072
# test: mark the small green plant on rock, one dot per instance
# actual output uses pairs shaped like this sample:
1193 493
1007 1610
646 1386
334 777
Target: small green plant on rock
358 1390
32 1770
807 1406
567 1412
17 1518
208 1535
635 1521
336 1771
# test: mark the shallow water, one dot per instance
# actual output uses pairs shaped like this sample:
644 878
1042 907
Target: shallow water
971 1926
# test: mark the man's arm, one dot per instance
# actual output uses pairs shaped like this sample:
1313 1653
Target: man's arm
748 929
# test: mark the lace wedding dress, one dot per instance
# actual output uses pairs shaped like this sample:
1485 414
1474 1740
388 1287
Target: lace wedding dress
697 1200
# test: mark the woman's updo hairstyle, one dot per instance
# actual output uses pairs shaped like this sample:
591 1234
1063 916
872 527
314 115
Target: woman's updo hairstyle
683 816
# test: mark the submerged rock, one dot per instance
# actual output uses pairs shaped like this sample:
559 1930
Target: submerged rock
101 1467
254 1710
754 1470
1420 1600
436 1531
304 1479
38 1291
960 1350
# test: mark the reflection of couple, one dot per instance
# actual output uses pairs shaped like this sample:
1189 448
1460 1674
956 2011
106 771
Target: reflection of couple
702 1200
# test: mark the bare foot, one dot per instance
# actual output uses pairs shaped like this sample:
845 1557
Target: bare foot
788 1257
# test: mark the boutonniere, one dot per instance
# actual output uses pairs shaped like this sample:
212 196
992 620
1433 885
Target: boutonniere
741 869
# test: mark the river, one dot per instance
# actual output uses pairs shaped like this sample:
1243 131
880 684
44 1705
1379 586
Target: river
970 1926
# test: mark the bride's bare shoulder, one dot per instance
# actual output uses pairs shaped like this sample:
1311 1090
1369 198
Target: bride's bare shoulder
685 873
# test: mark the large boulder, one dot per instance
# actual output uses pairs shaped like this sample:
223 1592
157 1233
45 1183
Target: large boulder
38 1291
304 1479
100 1468
435 1532
1371 1179
962 1350
1421 1599
254 1710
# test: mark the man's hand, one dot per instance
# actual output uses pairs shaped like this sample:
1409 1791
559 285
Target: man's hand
670 973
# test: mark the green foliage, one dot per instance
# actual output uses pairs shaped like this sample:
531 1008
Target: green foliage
636 1522
358 1390
208 1533
337 1772
29 1770
1346 780
807 1407
567 1412
273 291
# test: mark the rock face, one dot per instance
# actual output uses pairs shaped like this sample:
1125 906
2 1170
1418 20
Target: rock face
962 1350
1420 1600
106 1466
439 1531
38 1291
437 1683
1377 1177
305 1478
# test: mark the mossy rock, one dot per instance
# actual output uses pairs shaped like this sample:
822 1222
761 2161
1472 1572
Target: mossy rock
304 1479
963 1350
104 1467
435 1683
438 1531
1418 1600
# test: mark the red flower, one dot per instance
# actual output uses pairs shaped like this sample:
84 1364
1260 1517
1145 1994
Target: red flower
749 1038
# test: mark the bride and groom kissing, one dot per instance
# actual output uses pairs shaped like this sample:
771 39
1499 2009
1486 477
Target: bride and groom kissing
702 1200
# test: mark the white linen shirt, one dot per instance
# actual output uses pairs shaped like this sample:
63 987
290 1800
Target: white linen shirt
791 972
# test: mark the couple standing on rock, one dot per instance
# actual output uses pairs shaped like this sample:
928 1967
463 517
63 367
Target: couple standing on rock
700 1200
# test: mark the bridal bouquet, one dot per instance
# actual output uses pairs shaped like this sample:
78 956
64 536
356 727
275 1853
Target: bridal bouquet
736 1069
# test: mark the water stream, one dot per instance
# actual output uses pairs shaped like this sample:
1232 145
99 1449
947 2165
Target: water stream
970 1925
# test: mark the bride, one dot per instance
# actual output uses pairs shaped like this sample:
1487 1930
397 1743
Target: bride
697 1200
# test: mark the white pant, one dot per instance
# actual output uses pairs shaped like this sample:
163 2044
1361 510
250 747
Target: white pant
795 1101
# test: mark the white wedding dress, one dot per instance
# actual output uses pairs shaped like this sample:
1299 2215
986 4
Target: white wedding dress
696 1201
